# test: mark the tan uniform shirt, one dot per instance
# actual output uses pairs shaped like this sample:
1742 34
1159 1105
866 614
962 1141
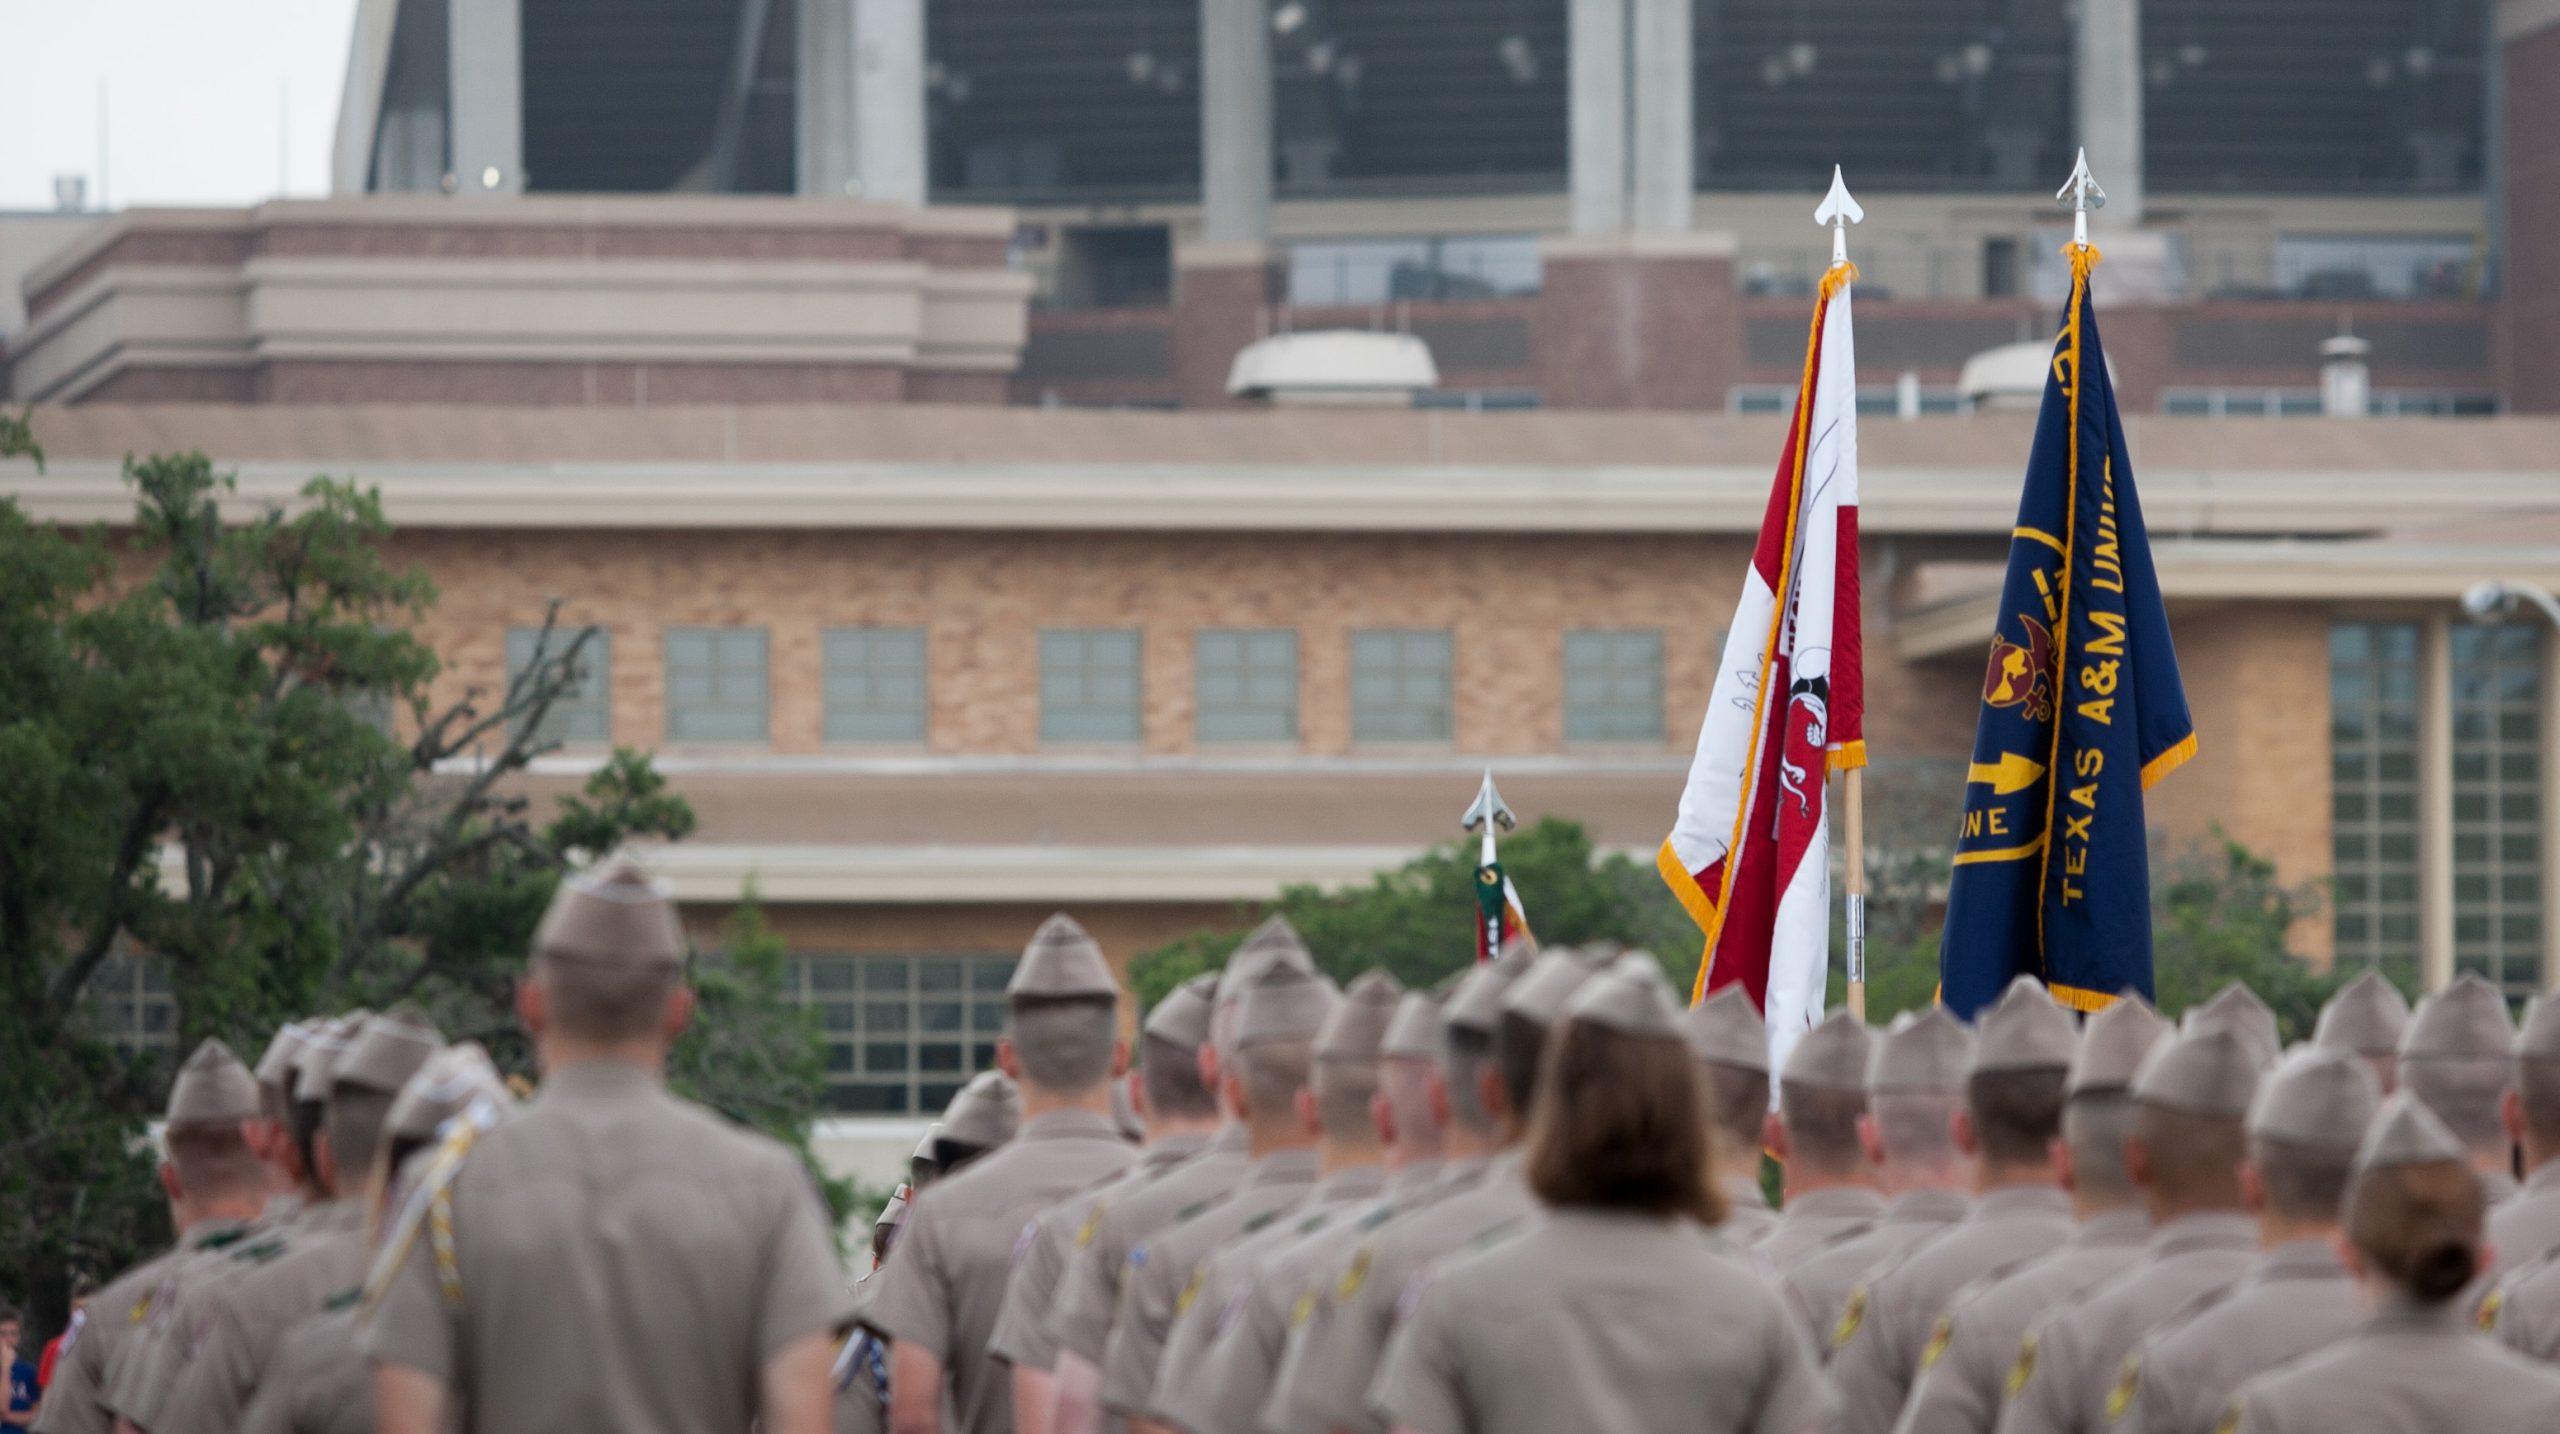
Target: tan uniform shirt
1962 1378
2524 1310
1022 1335
1818 1288
1814 1222
943 1286
1636 1325
1332 1360
77 1400
2526 1227
231 1332
862 1386
318 1382
2410 1371
2297 1301
1167 1270
2073 1362
1748 1218
1089 1295
2498 1187
1233 1382
147 1365
1893 1314
627 1262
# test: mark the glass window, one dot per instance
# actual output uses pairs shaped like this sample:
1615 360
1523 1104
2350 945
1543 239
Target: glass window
2497 803
2373 793
1245 683
1089 685
582 713
874 681
2376 266
716 684
903 1033
1613 686
131 1005
1375 271
1400 686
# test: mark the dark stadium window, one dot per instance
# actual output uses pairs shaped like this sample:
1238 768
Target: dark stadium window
902 1032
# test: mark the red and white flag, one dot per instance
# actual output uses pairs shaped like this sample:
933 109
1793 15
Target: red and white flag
1750 853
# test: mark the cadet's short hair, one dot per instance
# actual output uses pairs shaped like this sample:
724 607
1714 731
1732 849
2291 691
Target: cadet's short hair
2016 1114
1063 1043
1272 1073
2419 1225
304 1128
2303 1182
1737 1105
1518 1045
1822 1126
1169 1072
2192 1156
214 1160
949 1155
1344 1090
1915 1127
1465 1055
2094 1128
1620 1124
2465 1093
607 1001
354 1122
2538 1091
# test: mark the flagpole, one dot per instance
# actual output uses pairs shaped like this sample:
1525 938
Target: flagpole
1839 211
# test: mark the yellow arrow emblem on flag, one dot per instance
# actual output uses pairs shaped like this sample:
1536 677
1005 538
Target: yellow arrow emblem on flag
2012 773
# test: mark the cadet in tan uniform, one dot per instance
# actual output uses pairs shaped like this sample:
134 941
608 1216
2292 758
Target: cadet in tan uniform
2526 1227
271 1134
1915 1085
2191 1102
317 1381
2010 1124
1964 1369
1732 1045
984 1113
937 1301
1089 1295
2524 1310
1830 1186
216 1187
2367 1017
2418 1366
2237 1007
2459 1058
232 1332
1244 1362
611 1258
1331 1362
1637 1322
2304 1126
1179 1115
862 1367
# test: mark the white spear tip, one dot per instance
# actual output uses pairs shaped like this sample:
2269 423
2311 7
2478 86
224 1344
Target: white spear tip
2081 190
1837 207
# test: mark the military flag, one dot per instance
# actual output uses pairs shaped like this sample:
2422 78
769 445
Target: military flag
1749 854
1499 917
2082 711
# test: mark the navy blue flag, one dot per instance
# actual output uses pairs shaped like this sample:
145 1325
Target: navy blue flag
2082 710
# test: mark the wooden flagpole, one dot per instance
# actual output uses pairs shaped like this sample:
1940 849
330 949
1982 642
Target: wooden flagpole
1853 813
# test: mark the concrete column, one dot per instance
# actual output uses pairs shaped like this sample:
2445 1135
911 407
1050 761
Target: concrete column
1663 118
1235 121
823 147
486 84
1596 114
2107 76
2550 757
888 99
2435 802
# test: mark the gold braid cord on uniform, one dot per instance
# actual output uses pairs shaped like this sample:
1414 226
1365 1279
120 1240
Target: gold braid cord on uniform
430 1207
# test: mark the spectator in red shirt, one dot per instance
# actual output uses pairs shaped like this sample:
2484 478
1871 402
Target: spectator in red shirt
81 1289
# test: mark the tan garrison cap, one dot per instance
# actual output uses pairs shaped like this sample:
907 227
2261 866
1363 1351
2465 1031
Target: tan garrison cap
1274 940
2112 1048
924 1147
212 1089
2025 1030
1726 1028
1831 1056
1921 1051
1182 1017
384 1052
1061 963
985 1113
2407 1133
2367 1016
2211 1070
1414 1033
893 1213
615 914
2539 1039
2239 1008
446 1086
1632 999
317 1063
1284 1002
1543 994
275 1068
2465 1021
2318 1096
1358 1026
1476 1004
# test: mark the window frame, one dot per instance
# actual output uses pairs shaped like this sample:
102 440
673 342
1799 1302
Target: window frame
596 658
833 706
864 988
1366 721
718 666
1248 668
1060 712
1613 670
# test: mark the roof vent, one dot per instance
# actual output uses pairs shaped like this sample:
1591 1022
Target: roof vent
1334 366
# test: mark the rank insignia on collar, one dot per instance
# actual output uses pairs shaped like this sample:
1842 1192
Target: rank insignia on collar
1191 1291
1852 1315
1939 1335
1354 1277
2230 1420
1303 1310
2491 1308
1092 1226
2120 1398
2025 1368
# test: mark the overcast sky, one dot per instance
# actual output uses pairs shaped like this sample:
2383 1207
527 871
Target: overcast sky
206 101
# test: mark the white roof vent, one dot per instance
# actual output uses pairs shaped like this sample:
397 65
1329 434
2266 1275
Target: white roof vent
1354 366
2010 377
